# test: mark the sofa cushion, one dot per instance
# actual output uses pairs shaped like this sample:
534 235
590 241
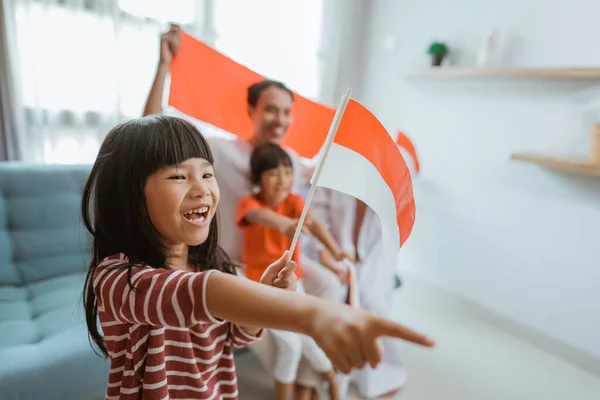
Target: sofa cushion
58 367
41 233
32 313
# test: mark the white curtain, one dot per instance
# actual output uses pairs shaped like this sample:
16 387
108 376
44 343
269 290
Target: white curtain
9 146
343 47
81 66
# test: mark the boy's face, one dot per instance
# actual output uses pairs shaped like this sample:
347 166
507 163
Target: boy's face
181 201
271 117
276 184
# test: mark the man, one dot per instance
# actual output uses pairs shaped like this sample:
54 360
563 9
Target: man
269 108
358 231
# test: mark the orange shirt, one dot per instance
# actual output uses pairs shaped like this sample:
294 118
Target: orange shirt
263 245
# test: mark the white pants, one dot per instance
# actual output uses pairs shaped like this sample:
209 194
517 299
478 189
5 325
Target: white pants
321 282
291 347
317 281
265 350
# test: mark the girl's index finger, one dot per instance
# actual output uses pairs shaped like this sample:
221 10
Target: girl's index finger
391 329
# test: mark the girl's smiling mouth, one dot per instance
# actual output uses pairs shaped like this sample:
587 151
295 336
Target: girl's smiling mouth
197 216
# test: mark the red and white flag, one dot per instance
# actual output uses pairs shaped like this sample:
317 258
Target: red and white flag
365 162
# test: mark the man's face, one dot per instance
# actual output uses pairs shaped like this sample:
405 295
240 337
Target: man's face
271 117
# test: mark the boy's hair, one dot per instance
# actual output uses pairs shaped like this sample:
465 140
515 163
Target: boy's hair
114 204
266 157
255 90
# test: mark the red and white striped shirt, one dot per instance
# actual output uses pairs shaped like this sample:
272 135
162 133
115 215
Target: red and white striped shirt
162 341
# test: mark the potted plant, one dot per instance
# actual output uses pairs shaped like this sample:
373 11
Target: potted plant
438 50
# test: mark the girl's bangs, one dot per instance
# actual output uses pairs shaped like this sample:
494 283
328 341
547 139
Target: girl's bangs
176 141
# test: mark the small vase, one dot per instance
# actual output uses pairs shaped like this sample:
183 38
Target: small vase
436 60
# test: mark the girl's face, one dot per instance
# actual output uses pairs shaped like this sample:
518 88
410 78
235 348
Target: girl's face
181 201
276 184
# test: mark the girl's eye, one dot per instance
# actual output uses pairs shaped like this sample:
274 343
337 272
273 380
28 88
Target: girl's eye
208 175
177 177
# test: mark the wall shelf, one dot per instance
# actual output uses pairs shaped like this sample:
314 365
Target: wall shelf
508 73
564 164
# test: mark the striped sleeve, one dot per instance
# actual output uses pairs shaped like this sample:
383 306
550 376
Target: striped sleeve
162 298
239 338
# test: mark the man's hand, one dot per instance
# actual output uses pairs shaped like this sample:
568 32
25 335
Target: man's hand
169 45
344 255
328 260
281 274
343 274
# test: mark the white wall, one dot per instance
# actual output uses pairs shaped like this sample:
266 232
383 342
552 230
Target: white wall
343 47
520 240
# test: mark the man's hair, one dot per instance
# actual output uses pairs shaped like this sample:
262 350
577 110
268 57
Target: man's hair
255 90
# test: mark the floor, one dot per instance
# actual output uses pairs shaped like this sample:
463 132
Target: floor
472 361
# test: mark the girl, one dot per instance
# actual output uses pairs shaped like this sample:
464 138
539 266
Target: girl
169 304
272 172
260 215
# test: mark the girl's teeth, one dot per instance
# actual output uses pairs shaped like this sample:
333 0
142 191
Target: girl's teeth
199 210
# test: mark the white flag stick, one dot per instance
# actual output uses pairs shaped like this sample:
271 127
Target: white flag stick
315 178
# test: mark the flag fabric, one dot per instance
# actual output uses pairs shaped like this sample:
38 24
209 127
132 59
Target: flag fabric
364 161
212 88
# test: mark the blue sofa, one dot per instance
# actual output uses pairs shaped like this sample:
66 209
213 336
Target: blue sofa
44 250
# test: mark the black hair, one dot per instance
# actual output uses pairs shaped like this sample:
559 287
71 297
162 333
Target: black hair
266 157
255 90
113 203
